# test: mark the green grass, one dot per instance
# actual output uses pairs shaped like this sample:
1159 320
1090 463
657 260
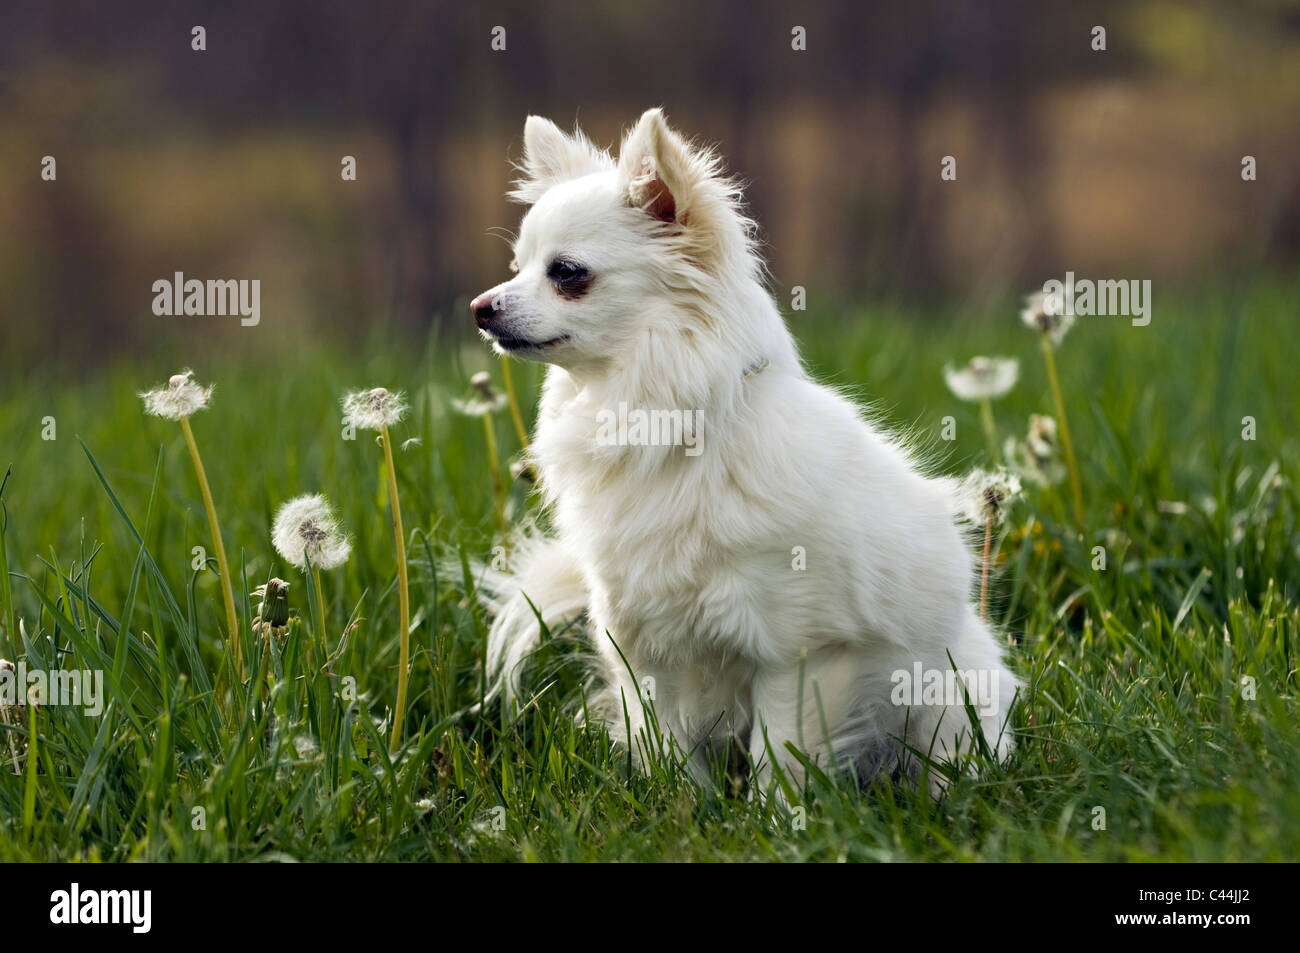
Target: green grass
1135 702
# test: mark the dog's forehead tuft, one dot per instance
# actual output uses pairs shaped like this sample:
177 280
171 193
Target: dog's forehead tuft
584 208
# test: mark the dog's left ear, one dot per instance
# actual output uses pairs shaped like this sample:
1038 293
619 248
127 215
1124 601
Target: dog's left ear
655 166
551 157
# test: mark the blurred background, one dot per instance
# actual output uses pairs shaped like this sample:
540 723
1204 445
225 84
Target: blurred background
226 163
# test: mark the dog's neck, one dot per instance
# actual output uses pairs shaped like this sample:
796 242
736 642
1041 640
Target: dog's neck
711 375
667 375
698 358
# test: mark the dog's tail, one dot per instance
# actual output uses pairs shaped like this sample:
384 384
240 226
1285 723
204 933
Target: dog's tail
542 584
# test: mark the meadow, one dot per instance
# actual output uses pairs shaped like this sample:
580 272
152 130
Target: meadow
1160 720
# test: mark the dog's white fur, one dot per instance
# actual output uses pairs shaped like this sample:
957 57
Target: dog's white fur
686 566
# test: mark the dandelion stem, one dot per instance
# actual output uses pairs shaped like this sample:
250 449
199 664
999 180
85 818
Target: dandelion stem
29 789
265 666
403 598
1076 491
514 403
494 461
320 615
990 429
984 572
223 567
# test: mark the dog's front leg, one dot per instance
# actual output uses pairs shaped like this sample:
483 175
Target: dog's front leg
641 709
803 703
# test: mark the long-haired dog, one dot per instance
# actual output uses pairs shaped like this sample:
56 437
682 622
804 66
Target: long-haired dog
752 557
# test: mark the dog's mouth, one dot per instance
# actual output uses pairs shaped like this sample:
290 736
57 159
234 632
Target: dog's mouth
508 343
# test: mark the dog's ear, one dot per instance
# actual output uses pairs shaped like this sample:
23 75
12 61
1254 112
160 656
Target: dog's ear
551 157
657 169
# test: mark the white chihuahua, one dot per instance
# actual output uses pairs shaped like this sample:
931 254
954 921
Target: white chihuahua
752 557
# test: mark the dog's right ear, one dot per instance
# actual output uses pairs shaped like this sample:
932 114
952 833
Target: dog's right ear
551 157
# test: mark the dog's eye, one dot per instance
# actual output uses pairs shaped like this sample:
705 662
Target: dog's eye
564 271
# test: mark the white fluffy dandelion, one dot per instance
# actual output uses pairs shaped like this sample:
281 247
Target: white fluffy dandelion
305 534
985 495
305 530
1038 456
180 398
485 400
1041 440
373 409
1046 316
984 378
378 409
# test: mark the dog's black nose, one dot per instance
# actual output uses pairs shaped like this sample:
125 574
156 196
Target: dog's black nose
484 308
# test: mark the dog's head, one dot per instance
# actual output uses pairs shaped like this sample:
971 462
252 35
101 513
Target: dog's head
611 251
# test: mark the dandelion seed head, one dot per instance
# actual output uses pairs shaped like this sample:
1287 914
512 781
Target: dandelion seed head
305 531
485 400
984 378
374 409
180 398
1047 317
1038 457
1041 439
986 493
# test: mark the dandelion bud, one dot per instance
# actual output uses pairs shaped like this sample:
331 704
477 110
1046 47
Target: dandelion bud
275 603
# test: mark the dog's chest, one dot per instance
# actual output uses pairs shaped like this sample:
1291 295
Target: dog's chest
664 584
669 544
